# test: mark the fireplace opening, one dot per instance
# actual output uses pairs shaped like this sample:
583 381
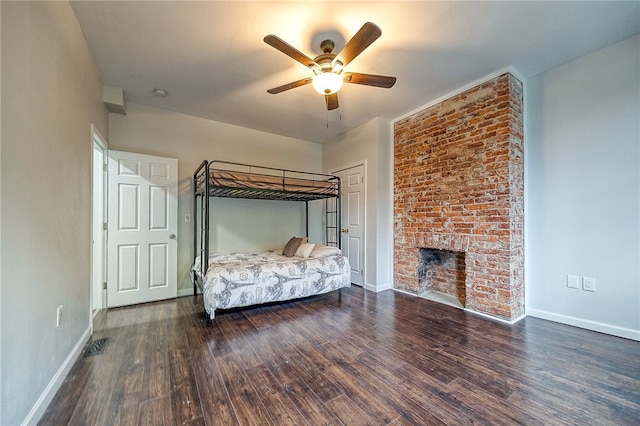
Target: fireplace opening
442 277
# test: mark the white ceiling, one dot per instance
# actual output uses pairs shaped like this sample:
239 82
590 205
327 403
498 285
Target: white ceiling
211 59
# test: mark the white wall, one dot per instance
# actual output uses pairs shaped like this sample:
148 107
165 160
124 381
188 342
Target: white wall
51 94
239 225
370 142
384 206
583 193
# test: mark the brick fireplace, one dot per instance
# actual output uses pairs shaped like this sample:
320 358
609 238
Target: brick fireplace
458 199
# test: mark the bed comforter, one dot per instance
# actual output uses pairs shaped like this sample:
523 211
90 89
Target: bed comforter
244 279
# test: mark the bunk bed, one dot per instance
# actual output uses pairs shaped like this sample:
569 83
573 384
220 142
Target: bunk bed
241 279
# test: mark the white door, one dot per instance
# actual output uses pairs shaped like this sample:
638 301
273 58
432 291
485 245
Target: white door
352 219
143 221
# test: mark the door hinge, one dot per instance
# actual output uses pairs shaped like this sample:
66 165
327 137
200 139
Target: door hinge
105 226
104 285
104 167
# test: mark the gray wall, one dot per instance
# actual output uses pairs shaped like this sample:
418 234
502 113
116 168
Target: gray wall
583 190
51 93
372 143
238 225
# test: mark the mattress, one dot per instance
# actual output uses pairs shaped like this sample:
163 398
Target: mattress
243 279
241 180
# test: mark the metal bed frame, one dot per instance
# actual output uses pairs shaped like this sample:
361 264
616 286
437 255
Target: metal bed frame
203 190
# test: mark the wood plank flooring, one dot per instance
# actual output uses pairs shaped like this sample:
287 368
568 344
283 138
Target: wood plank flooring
359 359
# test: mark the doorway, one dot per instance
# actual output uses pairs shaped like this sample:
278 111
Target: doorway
98 220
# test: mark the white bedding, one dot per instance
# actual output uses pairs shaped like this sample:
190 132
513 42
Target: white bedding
243 279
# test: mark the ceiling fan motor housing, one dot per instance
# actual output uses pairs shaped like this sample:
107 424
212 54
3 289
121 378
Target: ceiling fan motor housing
325 61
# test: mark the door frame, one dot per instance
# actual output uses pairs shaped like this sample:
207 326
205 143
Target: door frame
99 214
343 168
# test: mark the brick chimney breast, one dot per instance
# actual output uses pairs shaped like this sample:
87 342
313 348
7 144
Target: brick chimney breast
459 187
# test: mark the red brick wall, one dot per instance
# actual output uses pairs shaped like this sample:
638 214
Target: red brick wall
458 186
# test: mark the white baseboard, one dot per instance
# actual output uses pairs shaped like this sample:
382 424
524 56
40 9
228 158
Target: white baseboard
614 330
186 292
376 288
491 317
56 381
405 292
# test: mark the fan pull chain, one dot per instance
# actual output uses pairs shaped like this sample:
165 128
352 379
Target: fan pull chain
339 117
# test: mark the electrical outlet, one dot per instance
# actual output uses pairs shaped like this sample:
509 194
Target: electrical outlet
588 284
59 316
573 281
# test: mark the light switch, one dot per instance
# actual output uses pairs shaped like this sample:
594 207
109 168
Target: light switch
573 281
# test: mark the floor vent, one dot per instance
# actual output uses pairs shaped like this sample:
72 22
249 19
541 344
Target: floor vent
95 347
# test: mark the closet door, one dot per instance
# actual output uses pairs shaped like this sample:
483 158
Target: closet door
352 199
142 227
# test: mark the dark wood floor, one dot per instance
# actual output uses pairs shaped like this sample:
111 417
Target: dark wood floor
362 359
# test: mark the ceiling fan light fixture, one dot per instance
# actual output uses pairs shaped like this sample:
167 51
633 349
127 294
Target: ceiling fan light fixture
327 83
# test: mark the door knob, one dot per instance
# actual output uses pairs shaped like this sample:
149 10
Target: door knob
172 236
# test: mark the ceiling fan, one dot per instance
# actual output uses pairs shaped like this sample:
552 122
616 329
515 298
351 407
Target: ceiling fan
328 67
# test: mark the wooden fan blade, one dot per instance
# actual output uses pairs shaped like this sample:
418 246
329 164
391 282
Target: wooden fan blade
332 101
290 51
363 38
291 85
368 79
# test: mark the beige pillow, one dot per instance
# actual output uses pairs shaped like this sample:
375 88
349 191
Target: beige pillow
305 249
323 251
292 245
